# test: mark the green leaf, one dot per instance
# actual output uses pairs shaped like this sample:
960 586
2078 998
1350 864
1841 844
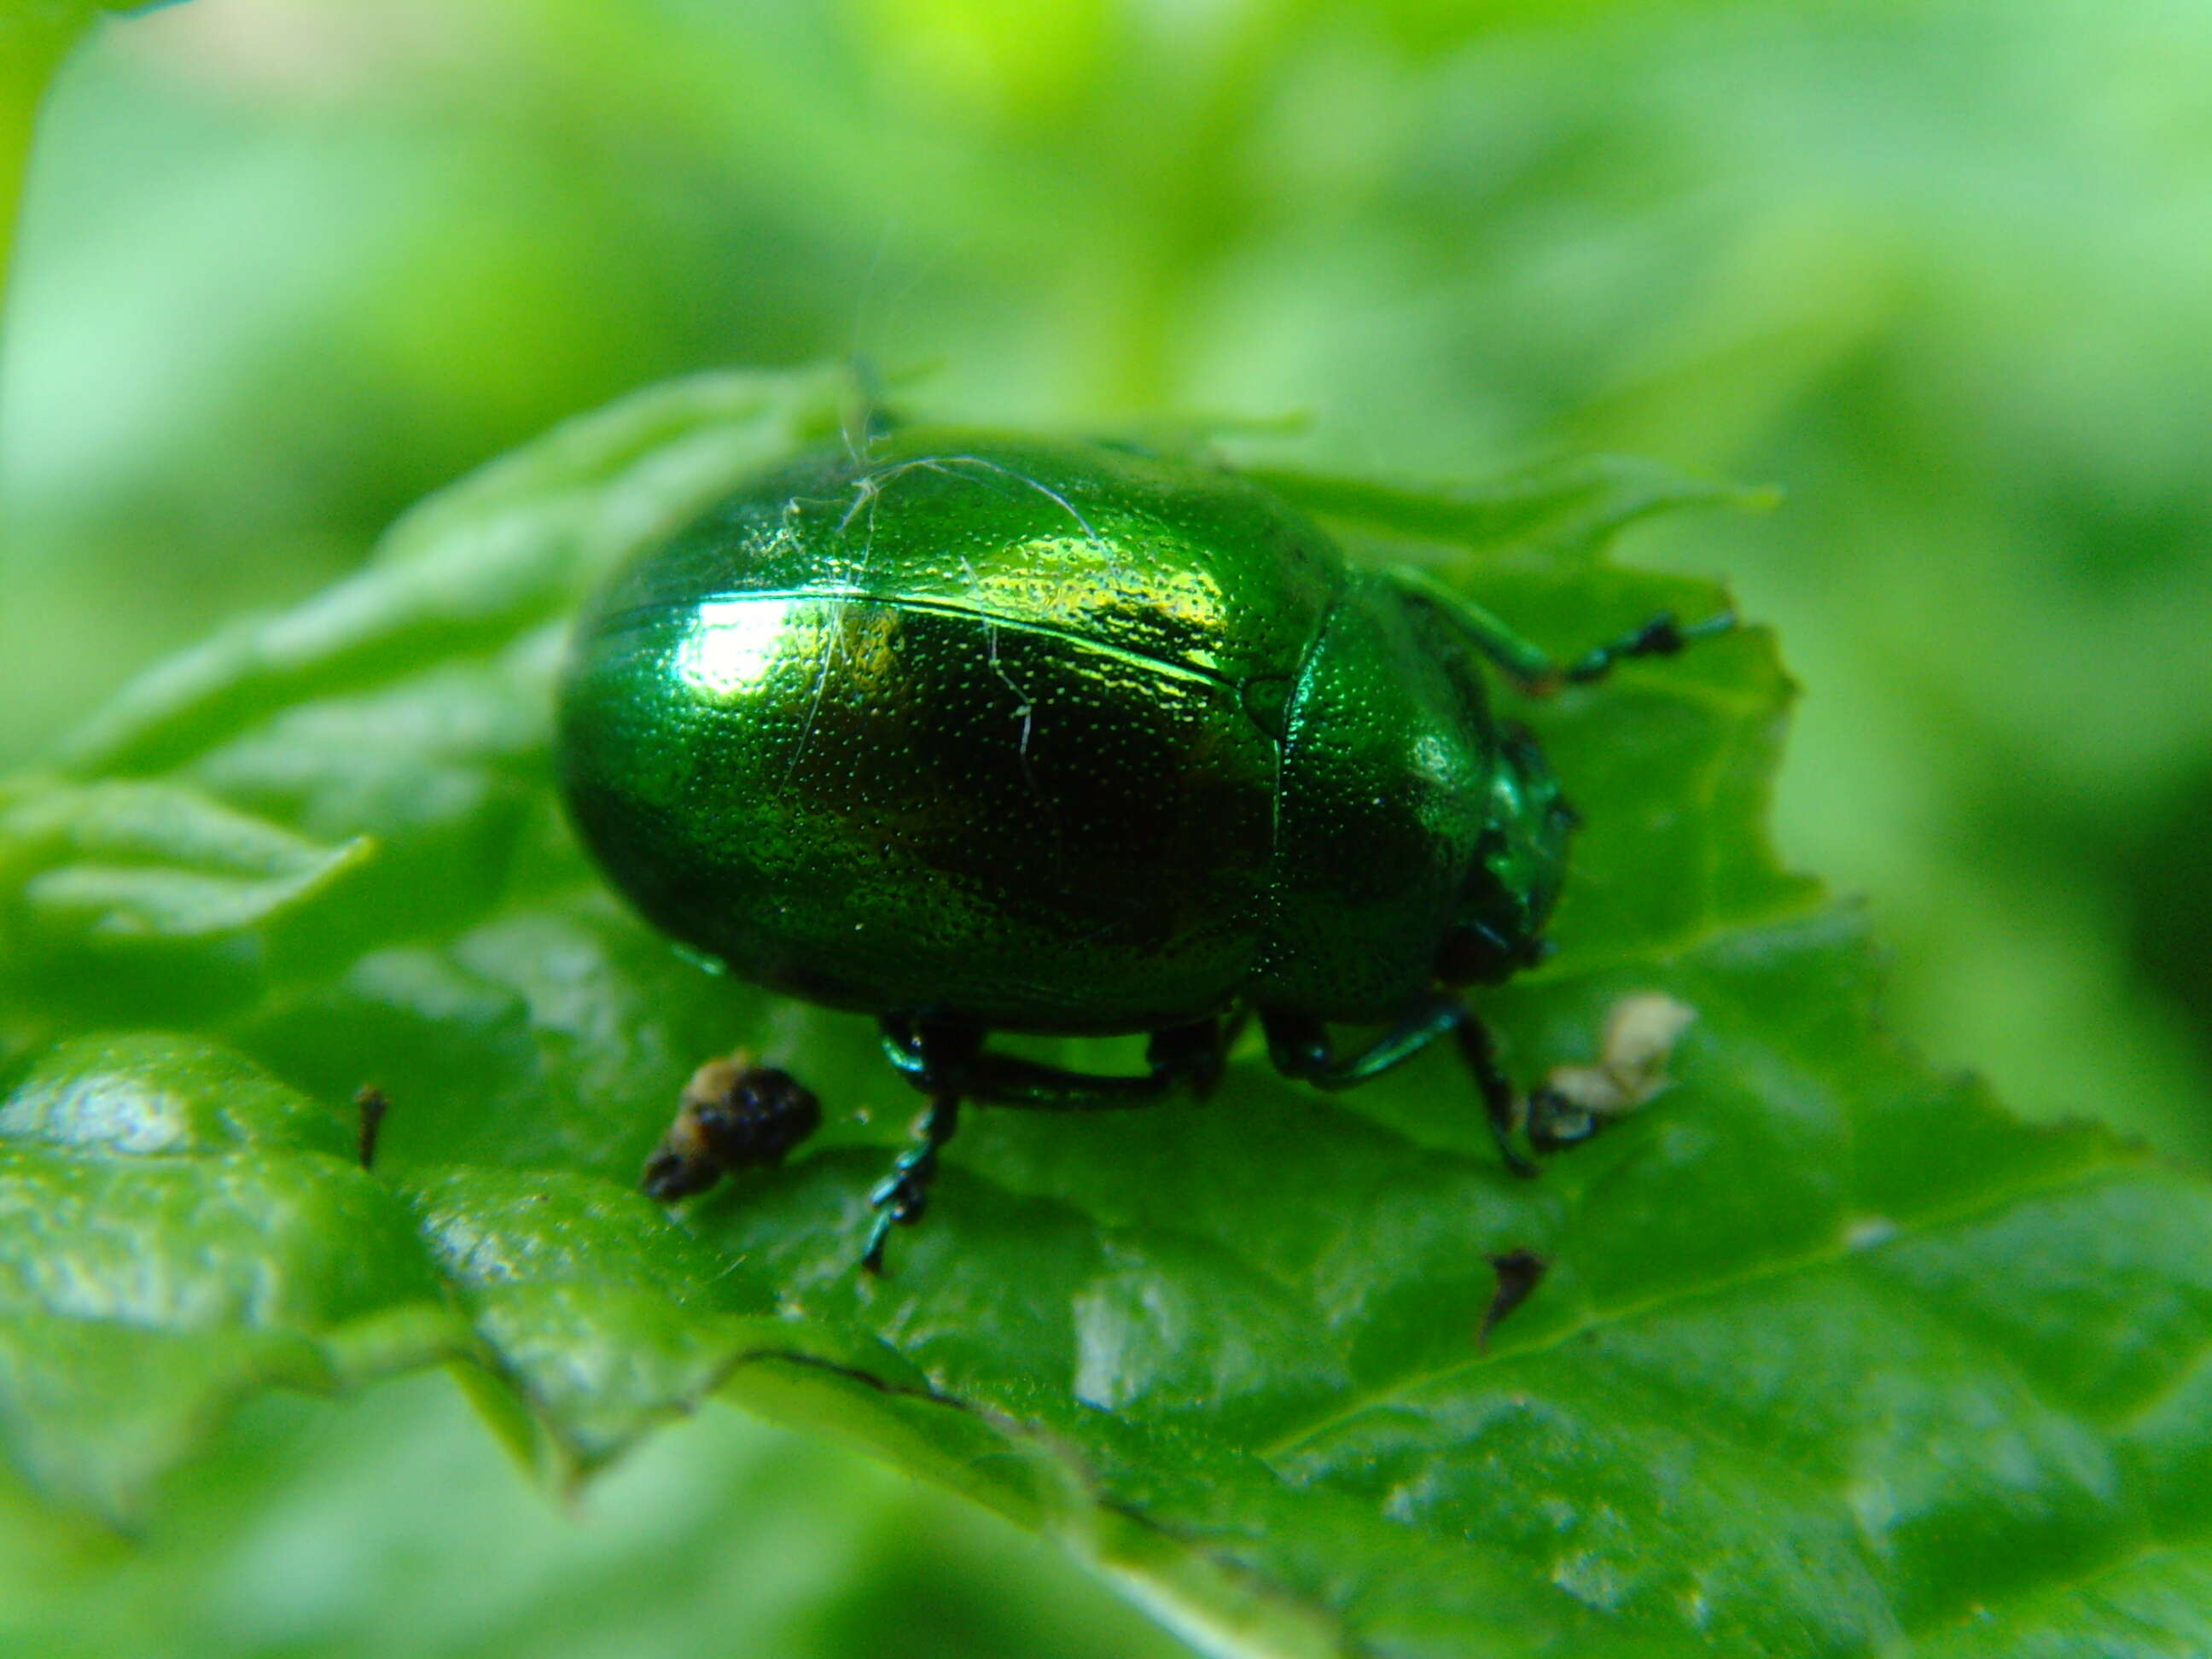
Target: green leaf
124 890
1830 1356
178 1229
1568 510
36 35
503 552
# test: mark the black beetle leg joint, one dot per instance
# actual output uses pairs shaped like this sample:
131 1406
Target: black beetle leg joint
937 1057
1662 636
1193 1056
1520 1122
904 1193
899 1200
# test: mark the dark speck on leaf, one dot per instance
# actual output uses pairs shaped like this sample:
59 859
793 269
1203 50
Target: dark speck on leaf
371 1104
1519 1273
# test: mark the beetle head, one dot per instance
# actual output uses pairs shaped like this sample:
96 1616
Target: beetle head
1520 863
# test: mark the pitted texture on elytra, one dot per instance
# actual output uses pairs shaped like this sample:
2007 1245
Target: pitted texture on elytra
849 798
1190 567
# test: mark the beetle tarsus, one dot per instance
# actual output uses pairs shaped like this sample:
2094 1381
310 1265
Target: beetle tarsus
1499 1104
901 1197
1662 636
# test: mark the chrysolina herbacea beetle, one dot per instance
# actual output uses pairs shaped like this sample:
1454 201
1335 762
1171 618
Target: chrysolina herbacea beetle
977 733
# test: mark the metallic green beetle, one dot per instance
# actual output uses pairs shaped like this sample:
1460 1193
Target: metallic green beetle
982 734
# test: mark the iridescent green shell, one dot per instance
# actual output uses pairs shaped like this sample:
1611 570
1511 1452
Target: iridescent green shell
1044 737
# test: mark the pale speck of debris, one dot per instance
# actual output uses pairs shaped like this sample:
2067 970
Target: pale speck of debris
1640 1032
1865 1231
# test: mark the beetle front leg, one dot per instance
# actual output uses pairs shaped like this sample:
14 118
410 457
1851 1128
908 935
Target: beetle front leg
1499 1103
1662 636
1538 676
1300 1047
1527 663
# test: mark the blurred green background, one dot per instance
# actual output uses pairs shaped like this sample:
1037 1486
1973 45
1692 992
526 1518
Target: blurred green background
1943 270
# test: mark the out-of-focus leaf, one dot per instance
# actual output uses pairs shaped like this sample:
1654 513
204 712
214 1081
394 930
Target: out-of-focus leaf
146 1094
476 568
178 1231
36 35
1831 1356
1567 510
122 889
386 1522
33 36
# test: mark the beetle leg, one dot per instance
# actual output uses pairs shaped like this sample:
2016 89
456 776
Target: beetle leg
1662 636
949 1062
1179 1056
1526 663
1498 1101
1299 1045
1538 676
900 1197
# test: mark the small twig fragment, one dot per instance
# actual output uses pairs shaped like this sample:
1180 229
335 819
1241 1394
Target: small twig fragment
370 1104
